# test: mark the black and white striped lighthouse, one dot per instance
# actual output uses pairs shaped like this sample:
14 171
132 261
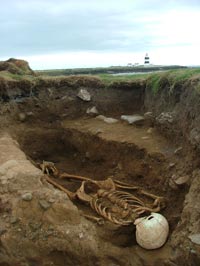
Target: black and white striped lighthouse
146 60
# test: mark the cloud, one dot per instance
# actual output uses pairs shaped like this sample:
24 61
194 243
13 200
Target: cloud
29 28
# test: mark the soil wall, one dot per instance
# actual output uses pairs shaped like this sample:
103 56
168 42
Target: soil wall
53 99
176 109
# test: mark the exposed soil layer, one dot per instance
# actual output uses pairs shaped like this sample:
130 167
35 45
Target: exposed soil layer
81 153
50 123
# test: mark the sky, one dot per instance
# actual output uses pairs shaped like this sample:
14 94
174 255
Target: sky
57 34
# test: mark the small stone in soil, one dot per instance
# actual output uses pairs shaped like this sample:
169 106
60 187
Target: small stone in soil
44 204
195 238
14 220
27 196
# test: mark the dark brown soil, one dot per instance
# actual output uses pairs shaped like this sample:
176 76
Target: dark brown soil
76 150
52 125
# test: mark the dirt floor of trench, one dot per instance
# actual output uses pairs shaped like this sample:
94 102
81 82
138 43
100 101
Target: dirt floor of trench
137 155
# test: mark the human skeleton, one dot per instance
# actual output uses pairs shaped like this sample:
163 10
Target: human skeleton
108 198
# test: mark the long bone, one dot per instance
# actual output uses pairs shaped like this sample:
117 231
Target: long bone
70 194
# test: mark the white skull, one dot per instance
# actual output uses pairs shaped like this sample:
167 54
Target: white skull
152 231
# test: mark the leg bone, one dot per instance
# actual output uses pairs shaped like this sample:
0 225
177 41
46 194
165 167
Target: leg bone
70 194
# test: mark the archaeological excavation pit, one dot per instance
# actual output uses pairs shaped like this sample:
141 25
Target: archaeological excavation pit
54 124
77 151
91 148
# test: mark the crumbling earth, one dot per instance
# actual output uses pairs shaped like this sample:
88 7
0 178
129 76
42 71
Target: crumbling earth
49 119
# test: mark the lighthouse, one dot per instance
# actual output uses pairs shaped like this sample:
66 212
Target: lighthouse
146 60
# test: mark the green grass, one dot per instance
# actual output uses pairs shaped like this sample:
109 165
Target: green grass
171 78
182 75
108 78
155 82
103 70
9 76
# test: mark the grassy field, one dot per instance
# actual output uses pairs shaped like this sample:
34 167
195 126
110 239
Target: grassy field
104 70
171 76
156 80
107 78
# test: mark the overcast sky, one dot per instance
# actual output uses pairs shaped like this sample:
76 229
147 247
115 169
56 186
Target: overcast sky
91 33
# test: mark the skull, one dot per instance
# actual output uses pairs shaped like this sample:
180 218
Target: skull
151 231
